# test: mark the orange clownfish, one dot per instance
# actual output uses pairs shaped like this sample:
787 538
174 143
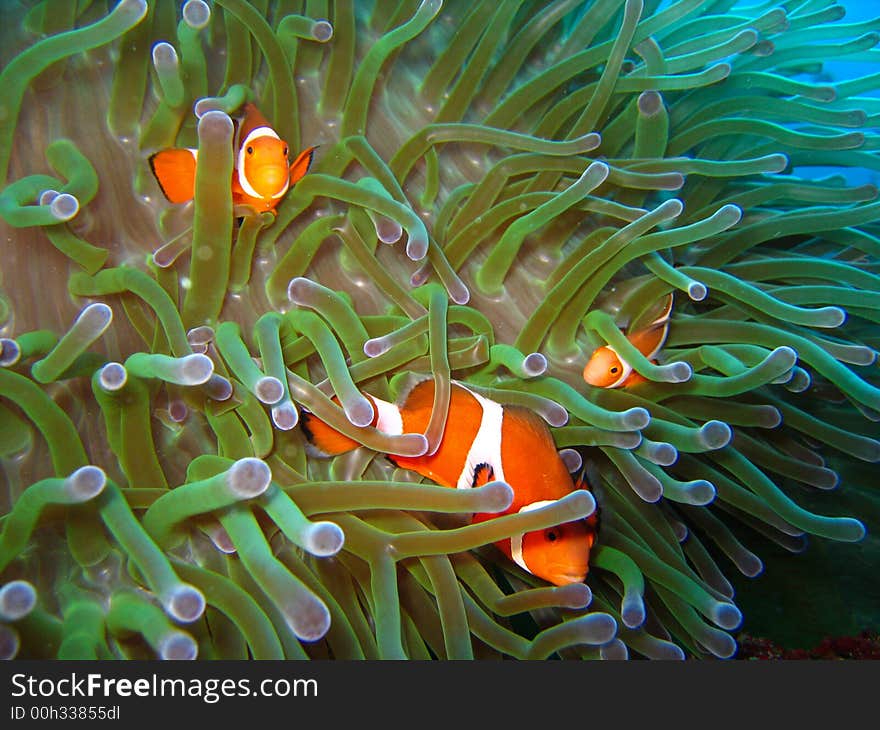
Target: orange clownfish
485 441
607 369
261 173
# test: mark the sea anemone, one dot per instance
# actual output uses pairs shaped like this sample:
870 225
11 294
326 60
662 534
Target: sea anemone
499 189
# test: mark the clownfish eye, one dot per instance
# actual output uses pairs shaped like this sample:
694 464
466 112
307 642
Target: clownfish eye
614 370
285 151
553 534
250 150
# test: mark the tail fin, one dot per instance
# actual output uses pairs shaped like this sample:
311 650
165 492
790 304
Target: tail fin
175 171
324 440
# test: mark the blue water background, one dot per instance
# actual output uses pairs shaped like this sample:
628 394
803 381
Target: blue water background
841 69
831 589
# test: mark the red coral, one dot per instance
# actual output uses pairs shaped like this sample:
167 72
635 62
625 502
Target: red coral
866 645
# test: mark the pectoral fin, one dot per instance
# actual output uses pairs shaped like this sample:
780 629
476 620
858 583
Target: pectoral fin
483 474
301 164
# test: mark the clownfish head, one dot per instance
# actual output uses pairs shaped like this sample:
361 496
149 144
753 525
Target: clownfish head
604 369
265 166
558 554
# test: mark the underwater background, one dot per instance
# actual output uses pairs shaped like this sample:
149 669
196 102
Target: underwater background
499 189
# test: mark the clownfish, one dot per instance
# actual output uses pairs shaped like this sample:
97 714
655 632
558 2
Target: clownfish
485 441
607 369
261 174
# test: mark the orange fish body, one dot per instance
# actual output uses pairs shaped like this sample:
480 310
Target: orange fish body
485 441
607 369
262 172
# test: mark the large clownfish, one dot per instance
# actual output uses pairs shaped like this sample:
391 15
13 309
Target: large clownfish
262 172
485 441
607 369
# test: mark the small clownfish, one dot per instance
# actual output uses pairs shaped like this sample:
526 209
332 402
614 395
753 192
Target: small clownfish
484 441
261 172
607 369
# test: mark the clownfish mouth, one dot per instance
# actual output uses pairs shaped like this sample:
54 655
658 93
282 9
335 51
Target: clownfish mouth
269 180
564 577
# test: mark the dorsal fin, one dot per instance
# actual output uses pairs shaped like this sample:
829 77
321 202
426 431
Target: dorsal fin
252 119
535 425
650 338
419 394
655 315
530 461
667 312
420 397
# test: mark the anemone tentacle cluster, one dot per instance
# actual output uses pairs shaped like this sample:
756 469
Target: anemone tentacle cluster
498 190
